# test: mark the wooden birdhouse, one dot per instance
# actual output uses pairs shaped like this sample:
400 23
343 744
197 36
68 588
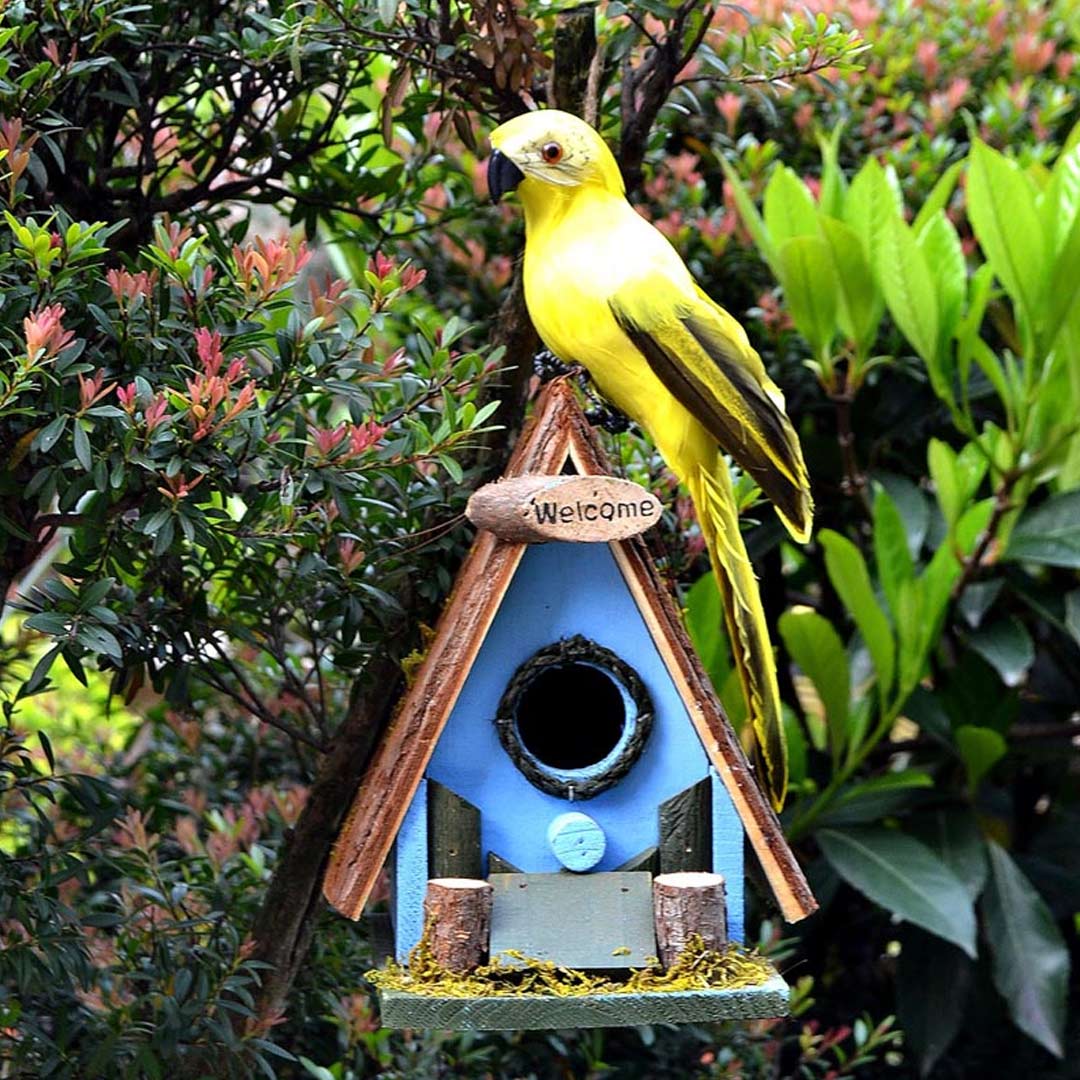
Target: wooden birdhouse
560 782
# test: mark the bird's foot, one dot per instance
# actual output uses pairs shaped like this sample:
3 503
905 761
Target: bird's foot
547 366
609 418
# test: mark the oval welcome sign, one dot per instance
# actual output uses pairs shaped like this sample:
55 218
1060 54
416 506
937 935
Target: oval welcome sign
532 509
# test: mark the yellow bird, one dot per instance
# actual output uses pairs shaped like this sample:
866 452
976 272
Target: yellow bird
607 290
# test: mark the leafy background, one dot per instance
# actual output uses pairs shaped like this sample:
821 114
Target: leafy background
261 336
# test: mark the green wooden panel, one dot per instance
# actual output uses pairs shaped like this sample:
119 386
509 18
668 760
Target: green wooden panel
498 865
686 830
590 921
648 860
453 834
531 1011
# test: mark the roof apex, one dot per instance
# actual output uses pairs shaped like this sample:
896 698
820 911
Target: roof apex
558 431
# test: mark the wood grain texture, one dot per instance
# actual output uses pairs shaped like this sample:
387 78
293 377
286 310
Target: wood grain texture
498 865
686 904
686 829
532 1012
458 912
584 921
578 509
557 429
453 835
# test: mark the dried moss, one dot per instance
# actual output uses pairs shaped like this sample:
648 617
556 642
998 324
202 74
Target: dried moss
697 968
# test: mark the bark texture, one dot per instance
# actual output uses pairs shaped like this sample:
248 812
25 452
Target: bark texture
457 913
685 904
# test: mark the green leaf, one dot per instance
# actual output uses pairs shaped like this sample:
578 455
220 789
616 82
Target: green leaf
1001 208
1007 647
810 289
1063 288
860 304
953 835
871 205
956 477
50 433
851 580
891 551
910 293
939 196
941 245
873 799
789 208
46 746
816 647
748 214
933 981
1030 960
98 639
981 748
1072 614
905 877
1049 534
833 182
82 447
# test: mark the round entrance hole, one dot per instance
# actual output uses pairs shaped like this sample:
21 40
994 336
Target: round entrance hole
570 716
574 718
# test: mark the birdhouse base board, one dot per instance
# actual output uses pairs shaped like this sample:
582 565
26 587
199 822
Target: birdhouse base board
535 1011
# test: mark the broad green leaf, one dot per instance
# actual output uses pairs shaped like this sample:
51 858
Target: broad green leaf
796 747
1072 614
904 877
1049 534
912 505
860 305
1029 957
833 181
910 294
941 246
816 647
82 447
810 289
956 476
938 199
870 206
1063 287
1007 647
953 835
981 748
1060 203
789 208
871 800
851 580
1001 208
977 599
891 552
933 980
751 218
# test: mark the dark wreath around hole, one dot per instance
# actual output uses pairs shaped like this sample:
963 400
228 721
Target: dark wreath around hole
563 710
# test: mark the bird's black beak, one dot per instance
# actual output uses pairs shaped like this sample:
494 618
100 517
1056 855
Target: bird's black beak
503 175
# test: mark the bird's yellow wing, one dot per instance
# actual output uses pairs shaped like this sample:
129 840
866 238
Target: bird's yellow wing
701 354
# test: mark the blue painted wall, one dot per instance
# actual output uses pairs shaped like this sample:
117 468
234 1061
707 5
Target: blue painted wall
560 590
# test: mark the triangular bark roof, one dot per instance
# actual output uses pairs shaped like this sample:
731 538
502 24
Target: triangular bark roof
557 431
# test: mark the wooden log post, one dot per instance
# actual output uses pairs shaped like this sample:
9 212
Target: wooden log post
687 903
458 912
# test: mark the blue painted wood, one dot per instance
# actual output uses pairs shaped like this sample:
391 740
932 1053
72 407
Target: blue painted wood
727 855
560 590
577 840
411 874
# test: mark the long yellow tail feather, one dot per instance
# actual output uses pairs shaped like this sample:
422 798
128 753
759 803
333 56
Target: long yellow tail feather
713 495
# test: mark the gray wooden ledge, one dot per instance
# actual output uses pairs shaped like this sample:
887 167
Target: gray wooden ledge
532 1011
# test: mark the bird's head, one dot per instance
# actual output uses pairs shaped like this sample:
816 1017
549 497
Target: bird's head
549 150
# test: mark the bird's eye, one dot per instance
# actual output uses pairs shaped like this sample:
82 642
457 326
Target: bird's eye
551 152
